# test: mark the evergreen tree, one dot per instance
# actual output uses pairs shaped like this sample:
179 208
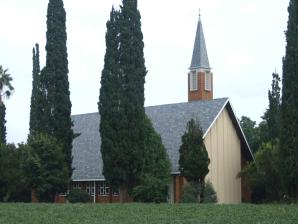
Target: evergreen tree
45 167
251 132
153 185
13 187
37 103
111 106
193 161
272 114
289 130
57 109
2 124
121 102
263 174
5 92
133 72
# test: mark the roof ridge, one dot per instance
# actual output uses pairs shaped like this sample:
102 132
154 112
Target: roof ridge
195 101
159 105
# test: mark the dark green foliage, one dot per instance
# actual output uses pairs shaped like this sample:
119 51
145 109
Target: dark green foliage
190 193
111 107
251 132
209 195
133 72
150 189
57 108
272 114
45 167
194 159
2 124
37 108
13 187
121 102
195 193
153 185
289 116
78 196
263 173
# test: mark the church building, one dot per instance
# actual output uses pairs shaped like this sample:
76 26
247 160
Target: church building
224 139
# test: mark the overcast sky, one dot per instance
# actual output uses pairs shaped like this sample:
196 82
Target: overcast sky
245 43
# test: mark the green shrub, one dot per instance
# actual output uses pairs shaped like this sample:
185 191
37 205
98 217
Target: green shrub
209 195
190 193
78 196
151 189
194 193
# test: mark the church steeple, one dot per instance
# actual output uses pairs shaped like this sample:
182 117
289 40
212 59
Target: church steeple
200 78
199 55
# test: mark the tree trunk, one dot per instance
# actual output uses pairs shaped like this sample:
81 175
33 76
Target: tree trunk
123 194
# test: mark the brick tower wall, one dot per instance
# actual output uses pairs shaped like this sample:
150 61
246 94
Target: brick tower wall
201 93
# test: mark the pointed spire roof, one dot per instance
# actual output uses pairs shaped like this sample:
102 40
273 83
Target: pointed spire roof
200 56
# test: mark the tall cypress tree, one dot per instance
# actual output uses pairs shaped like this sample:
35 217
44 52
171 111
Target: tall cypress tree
110 105
55 80
35 113
289 108
2 123
272 114
121 102
133 72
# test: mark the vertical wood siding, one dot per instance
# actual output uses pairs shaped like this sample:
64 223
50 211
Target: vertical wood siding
224 150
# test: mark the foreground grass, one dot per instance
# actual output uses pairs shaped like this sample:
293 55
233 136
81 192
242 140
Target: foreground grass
146 213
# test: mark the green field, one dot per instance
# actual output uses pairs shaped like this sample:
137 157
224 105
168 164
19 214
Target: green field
146 213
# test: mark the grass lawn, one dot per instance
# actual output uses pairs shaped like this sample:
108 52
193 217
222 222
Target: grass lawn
146 213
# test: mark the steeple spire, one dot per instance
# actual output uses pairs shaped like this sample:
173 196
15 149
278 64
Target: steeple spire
200 56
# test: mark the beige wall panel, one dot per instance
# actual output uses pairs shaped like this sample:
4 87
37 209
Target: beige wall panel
214 155
223 146
207 142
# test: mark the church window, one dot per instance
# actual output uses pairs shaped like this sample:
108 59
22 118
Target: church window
104 189
208 81
193 81
88 188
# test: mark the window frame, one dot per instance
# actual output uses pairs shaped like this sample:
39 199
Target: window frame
193 81
208 81
104 189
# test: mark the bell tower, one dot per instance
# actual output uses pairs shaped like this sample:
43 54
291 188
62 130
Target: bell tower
200 77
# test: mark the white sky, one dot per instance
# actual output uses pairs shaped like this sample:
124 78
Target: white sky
245 43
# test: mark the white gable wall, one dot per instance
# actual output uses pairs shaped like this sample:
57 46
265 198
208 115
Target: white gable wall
224 150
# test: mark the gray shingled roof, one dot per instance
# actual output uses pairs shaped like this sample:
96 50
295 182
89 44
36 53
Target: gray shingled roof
200 56
168 120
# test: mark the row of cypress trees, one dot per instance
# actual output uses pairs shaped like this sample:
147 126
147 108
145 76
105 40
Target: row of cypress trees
274 173
48 161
